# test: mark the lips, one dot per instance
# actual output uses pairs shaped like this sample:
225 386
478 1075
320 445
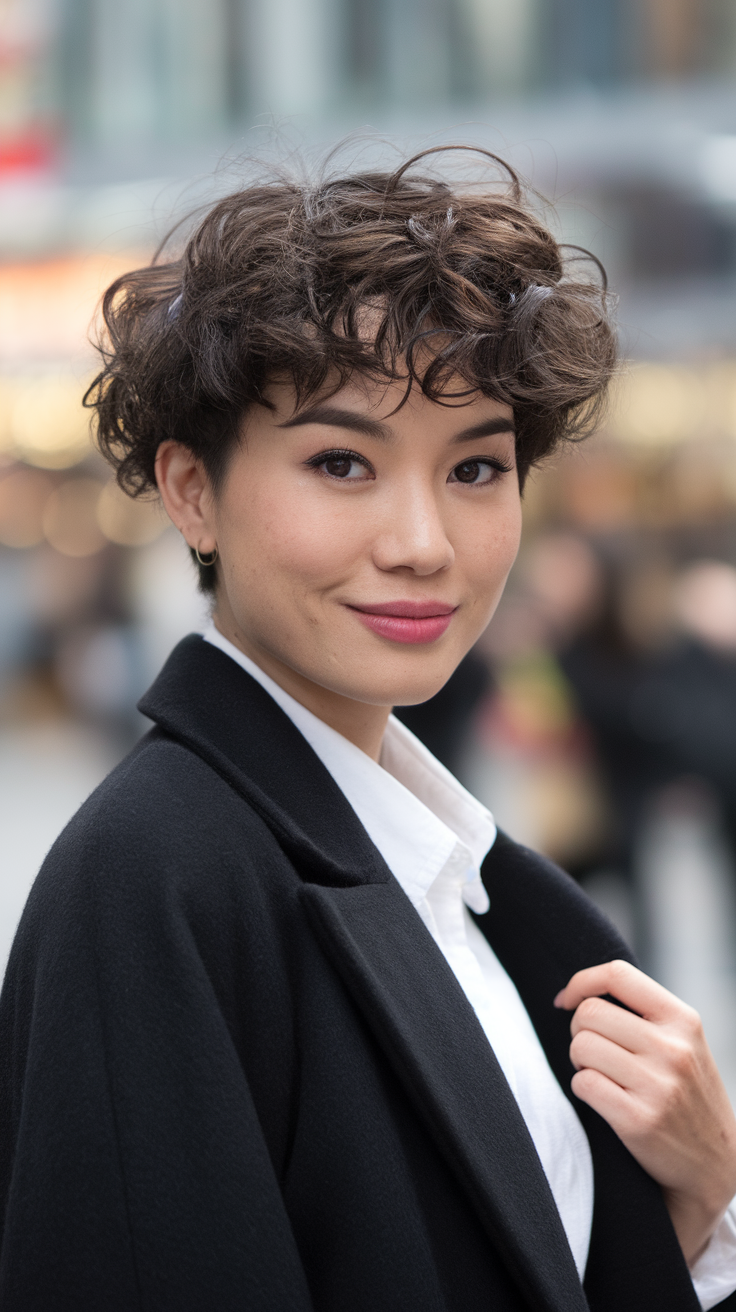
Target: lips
407 621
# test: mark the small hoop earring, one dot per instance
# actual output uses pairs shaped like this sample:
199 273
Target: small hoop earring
210 560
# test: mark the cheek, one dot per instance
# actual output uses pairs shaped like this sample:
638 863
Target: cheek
490 546
284 531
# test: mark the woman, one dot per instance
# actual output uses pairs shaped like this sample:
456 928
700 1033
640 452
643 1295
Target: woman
272 1039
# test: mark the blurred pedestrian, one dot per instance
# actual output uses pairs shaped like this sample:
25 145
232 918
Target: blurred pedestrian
667 713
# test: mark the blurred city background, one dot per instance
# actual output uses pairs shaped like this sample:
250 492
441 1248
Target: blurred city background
597 717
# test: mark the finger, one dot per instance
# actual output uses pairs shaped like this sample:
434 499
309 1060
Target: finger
622 1027
615 1104
589 1051
624 982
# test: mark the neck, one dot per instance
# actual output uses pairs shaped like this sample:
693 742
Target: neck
359 722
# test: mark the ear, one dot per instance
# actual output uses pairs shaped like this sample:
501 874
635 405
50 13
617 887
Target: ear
187 495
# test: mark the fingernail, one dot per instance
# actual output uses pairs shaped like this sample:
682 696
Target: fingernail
557 1002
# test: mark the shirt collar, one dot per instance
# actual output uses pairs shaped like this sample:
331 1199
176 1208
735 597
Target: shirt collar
415 812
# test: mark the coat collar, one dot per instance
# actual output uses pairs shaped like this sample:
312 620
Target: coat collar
206 701
387 959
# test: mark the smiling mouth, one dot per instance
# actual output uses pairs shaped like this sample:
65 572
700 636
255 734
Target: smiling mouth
407 621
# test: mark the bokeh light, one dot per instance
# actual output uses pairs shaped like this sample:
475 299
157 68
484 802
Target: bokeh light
23 497
129 522
660 405
70 521
42 421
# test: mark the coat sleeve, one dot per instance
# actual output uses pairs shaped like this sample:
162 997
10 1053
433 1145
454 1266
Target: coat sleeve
134 1172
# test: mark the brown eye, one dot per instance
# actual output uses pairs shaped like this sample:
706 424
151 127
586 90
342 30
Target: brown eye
467 472
348 466
477 473
338 466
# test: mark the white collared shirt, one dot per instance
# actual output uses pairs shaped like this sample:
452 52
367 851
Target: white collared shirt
433 836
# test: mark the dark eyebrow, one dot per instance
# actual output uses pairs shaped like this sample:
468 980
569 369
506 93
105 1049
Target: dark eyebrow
336 418
357 423
486 428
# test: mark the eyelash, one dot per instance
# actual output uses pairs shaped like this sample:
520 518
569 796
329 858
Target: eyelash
490 462
338 453
343 453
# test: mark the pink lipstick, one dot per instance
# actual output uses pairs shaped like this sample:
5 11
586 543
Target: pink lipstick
407 621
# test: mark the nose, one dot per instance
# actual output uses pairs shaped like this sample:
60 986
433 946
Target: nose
412 535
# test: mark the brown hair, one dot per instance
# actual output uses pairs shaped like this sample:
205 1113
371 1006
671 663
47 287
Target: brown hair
275 279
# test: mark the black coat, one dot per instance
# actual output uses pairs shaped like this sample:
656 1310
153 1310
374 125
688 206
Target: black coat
237 1072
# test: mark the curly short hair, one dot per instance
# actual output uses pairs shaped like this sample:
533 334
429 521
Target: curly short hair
462 283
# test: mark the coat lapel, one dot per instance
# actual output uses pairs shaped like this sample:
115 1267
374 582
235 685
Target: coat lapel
635 1261
385 956
425 1025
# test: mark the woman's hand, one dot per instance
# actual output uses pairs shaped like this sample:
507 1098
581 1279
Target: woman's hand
653 1078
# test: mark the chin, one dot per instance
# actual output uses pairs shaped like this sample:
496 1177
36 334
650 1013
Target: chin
407 691
415 697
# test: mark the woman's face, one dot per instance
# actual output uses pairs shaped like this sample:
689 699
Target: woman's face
367 550
362 548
